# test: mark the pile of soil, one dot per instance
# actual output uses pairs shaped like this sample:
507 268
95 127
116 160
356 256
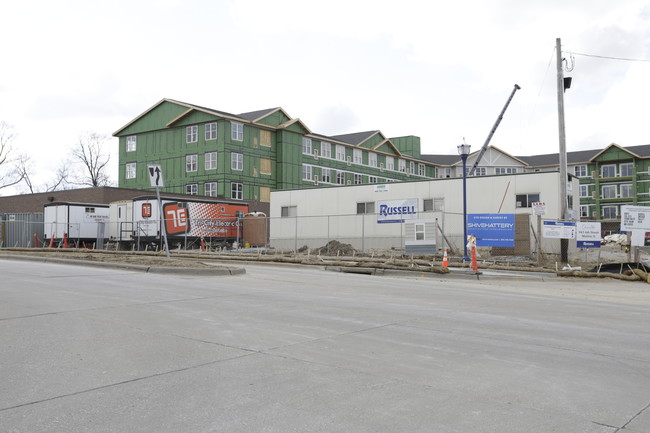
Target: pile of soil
333 248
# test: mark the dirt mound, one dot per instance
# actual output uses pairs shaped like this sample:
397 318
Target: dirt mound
334 248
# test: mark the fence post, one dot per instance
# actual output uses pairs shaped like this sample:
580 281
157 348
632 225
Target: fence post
295 238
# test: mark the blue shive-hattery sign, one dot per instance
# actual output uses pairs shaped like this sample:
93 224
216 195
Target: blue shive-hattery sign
492 230
396 211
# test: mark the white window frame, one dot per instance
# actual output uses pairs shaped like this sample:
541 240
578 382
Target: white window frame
372 179
340 152
504 170
192 189
412 167
211 131
210 189
480 171
210 161
420 232
130 170
358 179
325 149
236 190
307 172
611 191
340 177
627 165
604 208
131 143
580 170
625 186
192 134
357 156
288 211
584 210
608 166
422 170
306 146
326 175
237 131
390 163
584 190
402 165
191 163
372 159
236 161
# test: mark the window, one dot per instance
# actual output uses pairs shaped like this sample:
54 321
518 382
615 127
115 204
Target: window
372 179
608 171
192 189
325 149
306 146
411 167
325 175
447 172
421 170
191 162
130 143
419 232
526 200
434 204
265 194
236 161
390 163
265 138
504 170
288 211
306 172
237 191
357 179
211 161
210 189
130 170
584 211
372 159
626 190
265 166
584 190
367 207
480 171
580 170
609 212
357 155
192 134
211 131
340 177
90 210
626 169
608 191
237 131
340 152
402 165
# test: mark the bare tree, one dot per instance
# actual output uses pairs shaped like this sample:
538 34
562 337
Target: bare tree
9 173
59 181
90 152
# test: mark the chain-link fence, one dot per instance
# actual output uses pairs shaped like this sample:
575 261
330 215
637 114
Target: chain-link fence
21 230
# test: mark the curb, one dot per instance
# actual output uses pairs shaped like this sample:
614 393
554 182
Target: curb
463 274
129 267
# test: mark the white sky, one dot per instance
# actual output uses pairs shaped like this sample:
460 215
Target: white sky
438 70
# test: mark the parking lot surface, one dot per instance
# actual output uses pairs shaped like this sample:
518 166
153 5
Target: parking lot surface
290 349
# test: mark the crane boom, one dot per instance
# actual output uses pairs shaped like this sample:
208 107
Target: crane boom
494 128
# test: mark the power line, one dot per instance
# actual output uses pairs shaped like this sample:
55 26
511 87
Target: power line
609 57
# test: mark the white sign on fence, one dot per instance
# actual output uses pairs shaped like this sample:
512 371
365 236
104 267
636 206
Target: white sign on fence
559 230
635 218
539 208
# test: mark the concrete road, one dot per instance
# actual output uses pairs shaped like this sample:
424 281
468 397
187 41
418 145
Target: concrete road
286 349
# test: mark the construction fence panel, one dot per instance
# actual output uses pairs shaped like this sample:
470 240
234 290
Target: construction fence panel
21 230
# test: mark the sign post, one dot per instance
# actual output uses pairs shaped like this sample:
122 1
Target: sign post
539 209
156 181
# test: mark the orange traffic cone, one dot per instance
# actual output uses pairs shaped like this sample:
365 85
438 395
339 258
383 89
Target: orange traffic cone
52 240
474 263
202 244
445 261
65 240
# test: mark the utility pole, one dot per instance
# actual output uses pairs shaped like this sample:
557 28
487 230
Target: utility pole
564 243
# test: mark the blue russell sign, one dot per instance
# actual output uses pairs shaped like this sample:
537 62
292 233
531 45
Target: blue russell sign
492 230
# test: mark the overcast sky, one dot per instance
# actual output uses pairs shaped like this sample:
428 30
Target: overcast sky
438 70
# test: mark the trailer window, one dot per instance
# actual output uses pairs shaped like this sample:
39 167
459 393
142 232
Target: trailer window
90 210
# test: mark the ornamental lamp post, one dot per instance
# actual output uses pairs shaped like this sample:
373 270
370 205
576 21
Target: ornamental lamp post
463 151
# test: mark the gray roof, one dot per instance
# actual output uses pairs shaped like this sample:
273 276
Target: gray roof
253 115
441 159
354 138
554 158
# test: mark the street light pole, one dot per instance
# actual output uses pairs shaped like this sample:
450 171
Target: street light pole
463 151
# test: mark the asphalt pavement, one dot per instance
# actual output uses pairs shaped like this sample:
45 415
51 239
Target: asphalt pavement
290 349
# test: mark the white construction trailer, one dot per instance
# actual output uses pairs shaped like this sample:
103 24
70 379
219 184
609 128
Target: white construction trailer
420 216
83 224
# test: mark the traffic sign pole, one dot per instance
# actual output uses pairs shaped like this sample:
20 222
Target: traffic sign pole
156 181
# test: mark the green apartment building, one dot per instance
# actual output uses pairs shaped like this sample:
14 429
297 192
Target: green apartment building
245 156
